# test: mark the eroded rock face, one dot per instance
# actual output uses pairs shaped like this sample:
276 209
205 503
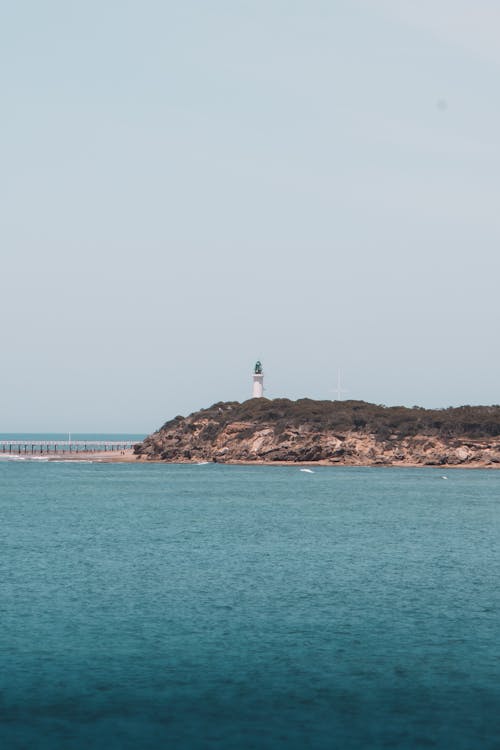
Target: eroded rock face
272 431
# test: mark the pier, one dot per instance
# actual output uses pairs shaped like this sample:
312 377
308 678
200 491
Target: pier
64 446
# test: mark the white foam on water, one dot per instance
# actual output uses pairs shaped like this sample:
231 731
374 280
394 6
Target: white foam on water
71 461
17 457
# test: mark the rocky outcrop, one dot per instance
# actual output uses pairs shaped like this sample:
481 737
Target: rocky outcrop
311 431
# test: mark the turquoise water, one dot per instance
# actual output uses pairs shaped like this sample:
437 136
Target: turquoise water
163 606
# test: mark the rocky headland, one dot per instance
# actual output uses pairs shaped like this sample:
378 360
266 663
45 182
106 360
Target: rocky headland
351 433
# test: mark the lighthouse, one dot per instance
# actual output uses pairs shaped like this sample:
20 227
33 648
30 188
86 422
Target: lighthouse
258 381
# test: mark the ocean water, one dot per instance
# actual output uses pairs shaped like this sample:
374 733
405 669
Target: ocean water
164 606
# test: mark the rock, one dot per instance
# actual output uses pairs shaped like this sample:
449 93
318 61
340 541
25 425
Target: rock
349 433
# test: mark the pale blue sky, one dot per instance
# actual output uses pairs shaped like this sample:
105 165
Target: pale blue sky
189 186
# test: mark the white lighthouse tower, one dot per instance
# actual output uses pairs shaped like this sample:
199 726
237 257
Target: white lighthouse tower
258 381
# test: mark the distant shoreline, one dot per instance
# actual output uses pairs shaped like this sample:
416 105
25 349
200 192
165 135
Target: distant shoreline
326 463
108 457
129 457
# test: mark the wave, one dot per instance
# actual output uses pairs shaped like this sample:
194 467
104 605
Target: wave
15 457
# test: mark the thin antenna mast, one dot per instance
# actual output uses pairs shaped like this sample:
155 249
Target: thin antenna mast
339 390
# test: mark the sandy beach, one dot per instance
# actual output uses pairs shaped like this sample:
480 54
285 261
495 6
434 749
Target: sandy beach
109 457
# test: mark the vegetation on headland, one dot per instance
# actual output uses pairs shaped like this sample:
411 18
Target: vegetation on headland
353 416
347 432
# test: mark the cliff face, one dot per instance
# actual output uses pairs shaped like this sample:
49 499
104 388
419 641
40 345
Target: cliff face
349 433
